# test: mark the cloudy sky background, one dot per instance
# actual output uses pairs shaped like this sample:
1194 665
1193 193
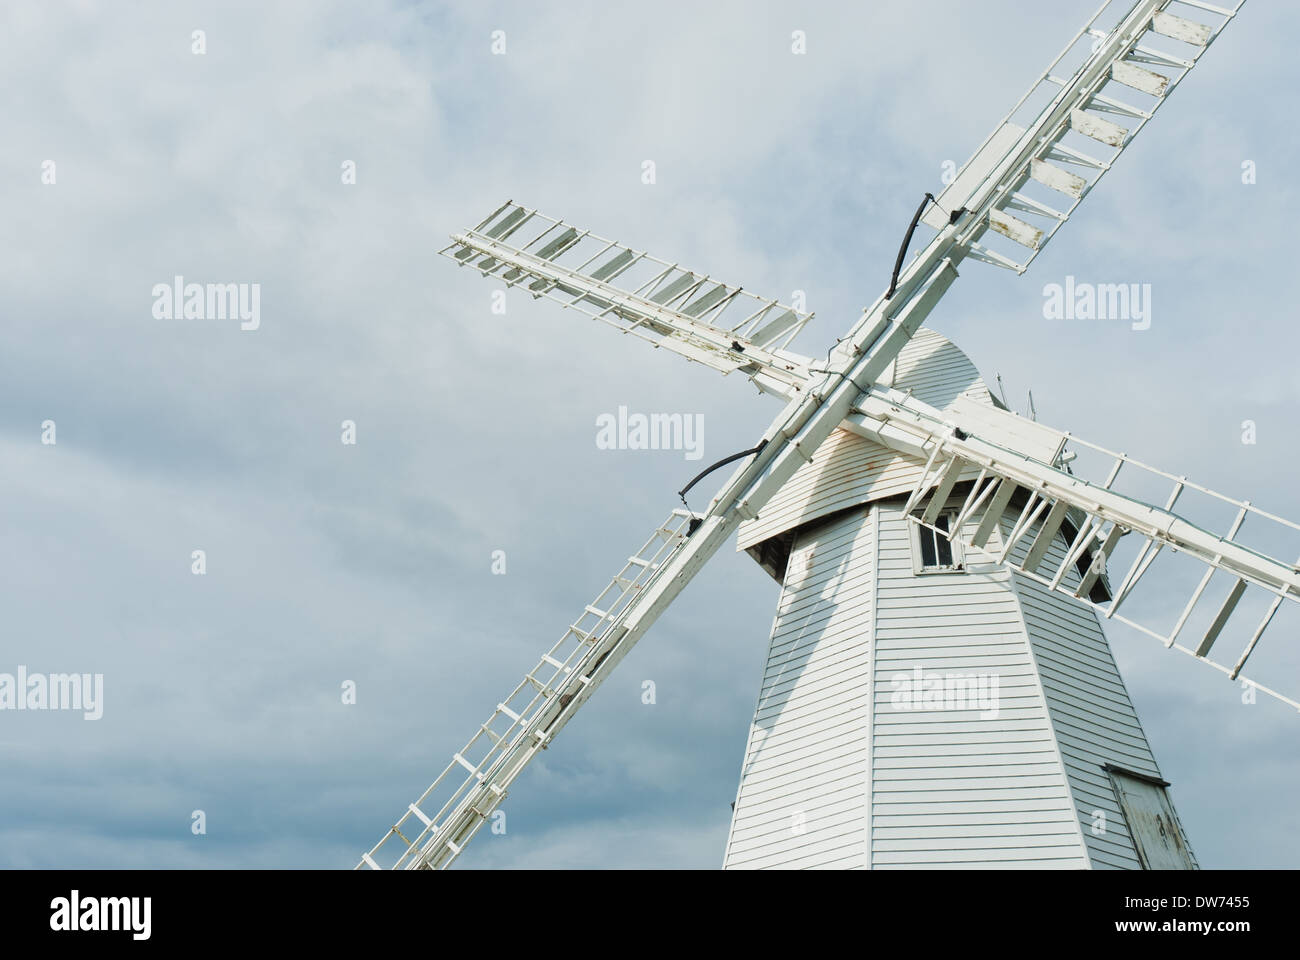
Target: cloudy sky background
476 432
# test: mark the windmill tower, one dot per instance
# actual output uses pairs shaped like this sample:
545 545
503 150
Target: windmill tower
938 690
922 704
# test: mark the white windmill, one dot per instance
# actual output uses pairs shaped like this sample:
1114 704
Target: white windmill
938 688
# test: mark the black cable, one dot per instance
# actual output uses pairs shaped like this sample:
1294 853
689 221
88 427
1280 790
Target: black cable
907 241
708 470
893 285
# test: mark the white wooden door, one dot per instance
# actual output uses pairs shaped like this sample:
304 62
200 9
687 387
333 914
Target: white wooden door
1151 822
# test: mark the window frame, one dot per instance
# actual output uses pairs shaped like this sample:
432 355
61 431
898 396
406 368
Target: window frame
918 558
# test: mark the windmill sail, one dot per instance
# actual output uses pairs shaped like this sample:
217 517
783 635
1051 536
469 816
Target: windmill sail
435 829
1003 468
921 704
1013 195
1081 113
788 443
688 312
1116 535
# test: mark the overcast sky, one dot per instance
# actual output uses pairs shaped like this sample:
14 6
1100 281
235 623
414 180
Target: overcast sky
371 563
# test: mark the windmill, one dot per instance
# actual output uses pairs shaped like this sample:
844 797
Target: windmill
938 689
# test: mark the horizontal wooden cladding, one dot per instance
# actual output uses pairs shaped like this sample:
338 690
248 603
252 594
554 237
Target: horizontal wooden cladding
811 747
837 760
820 673
943 729
1053 863
816 669
775 816
1002 757
960 786
839 773
936 371
833 853
971 810
968 742
802 796
981 709
824 598
992 823
980 772
790 711
1040 858
826 811
1054 839
995 655
1092 715
846 469
1010 678
981 798
982 781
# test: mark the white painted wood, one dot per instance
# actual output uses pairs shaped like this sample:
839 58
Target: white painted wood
1093 718
936 371
1157 834
1180 28
802 795
1098 128
848 470
856 362
1006 802
1015 229
950 785
1139 78
972 173
1063 181
1002 426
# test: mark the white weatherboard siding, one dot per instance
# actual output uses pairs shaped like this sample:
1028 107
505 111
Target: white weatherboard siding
956 788
936 371
1092 716
847 469
837 771
802 796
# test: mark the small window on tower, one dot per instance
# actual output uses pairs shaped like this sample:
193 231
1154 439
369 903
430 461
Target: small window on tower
932 551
